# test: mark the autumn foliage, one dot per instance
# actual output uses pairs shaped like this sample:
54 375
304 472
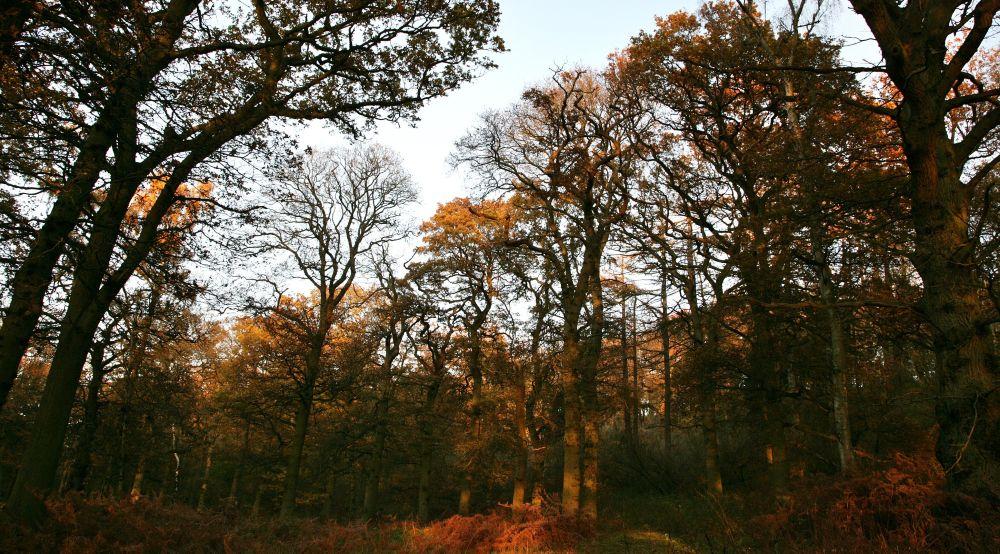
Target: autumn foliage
82 525
902 507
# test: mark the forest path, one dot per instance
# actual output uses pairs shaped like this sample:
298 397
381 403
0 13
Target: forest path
636 541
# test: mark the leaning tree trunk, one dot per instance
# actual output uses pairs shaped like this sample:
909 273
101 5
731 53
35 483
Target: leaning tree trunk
115 122
33 277
41 457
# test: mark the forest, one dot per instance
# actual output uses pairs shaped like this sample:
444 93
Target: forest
733 291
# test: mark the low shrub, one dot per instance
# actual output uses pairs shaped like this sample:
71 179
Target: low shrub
901 508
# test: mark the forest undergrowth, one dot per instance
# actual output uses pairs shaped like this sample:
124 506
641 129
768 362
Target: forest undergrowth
900 507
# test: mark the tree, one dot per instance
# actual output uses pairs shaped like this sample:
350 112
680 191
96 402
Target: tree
329 211
293 64
564 156
947 118
464 241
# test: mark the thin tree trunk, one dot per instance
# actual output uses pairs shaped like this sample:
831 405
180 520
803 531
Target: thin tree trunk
838 353
370 506
628 423
521 467
465 494
137 480
665 355
255 508
203 485
636 379
591 446
329 503
234 485
423 487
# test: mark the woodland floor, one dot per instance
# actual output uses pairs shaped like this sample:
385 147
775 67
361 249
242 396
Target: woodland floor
902 508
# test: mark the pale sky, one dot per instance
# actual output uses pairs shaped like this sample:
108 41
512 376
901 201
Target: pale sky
539 35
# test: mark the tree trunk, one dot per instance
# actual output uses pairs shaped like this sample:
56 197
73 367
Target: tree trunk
522 469
429 439
137 479
713 478
90 295
591 445
33 277
775 444
88 428
255 508
768 378
521 480
571 478
371 500
665 356
423 487
537 473
116 121
203 485
370 506
41 457
838 353
329 503
302 413
636 379
476 409
234 485
465 495
967 406
628 423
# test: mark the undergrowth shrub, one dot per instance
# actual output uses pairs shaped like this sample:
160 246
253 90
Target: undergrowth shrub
82 525
902 508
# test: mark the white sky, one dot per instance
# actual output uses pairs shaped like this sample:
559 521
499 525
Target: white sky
539 35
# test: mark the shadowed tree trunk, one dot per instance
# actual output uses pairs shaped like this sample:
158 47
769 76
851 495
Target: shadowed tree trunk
91 407
234 485
664 329
370 507
302 412
914 40
713 477
203 484
114 119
